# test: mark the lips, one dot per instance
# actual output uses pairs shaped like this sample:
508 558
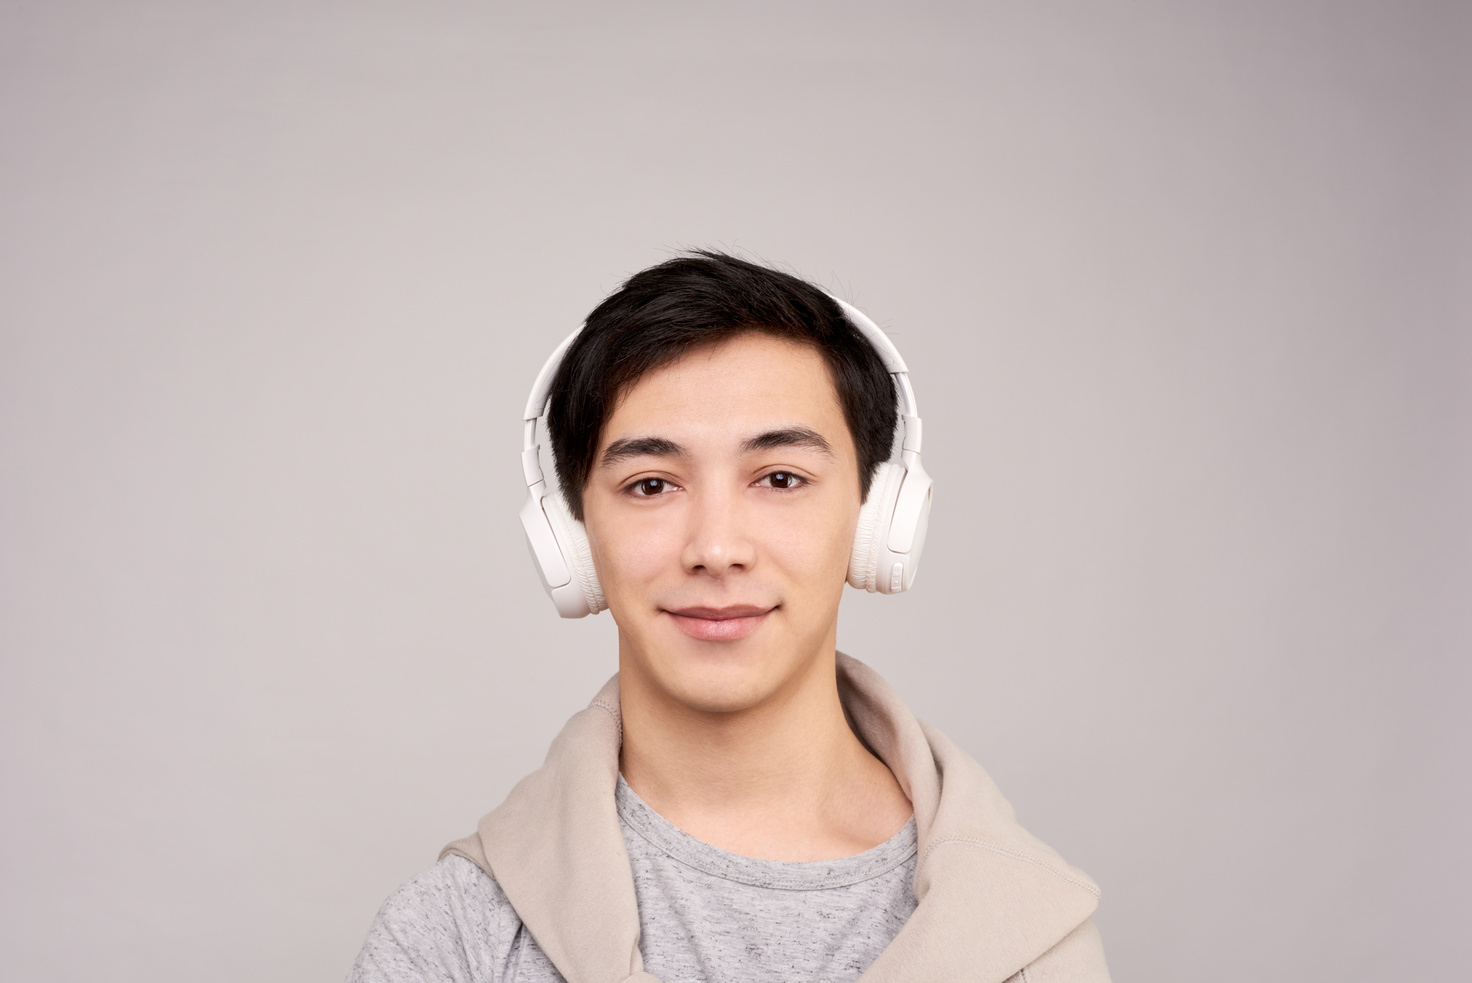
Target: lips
720 624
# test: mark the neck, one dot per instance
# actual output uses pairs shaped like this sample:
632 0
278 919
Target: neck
782 779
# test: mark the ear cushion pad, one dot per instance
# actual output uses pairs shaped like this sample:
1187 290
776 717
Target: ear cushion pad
574 539
873 527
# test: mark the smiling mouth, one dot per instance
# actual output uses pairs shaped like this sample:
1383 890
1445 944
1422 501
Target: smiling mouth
720 624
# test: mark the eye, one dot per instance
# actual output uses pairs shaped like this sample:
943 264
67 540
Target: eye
783 480
649 487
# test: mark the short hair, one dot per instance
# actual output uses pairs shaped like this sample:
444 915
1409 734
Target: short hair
701 299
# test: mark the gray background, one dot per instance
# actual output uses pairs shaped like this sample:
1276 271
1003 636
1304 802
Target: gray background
1185 289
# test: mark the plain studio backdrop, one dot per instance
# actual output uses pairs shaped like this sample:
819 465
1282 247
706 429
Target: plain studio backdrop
1185 292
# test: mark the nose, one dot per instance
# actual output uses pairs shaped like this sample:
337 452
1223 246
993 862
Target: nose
717 537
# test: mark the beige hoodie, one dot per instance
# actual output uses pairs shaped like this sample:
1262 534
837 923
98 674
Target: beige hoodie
994 901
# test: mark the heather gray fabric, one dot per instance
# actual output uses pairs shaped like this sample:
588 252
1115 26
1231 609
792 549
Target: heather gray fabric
450 924
994 902
704 915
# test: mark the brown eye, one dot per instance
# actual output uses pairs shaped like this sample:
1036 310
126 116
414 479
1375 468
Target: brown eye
784 479
649 486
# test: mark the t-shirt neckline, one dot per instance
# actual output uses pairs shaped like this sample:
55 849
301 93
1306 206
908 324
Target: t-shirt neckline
788 875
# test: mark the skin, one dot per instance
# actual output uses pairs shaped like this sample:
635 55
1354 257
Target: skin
721 512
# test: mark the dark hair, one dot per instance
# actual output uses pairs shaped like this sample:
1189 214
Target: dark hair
706 297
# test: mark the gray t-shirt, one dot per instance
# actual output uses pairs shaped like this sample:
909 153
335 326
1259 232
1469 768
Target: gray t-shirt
704 915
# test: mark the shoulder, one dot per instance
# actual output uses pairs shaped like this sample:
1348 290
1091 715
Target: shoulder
449 923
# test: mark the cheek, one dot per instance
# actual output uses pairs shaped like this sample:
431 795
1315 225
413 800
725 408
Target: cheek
626 555
815 548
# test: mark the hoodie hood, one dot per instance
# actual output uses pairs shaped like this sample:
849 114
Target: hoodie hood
992 898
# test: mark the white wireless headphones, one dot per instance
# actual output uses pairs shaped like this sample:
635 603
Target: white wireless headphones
887 542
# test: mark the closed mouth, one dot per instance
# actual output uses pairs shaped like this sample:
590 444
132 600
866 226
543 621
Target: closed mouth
721 614
727 624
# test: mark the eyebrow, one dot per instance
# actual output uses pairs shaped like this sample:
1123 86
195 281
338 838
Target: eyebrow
627 447
788 437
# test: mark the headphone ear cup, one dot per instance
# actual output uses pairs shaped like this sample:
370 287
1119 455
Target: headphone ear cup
572 536
873 527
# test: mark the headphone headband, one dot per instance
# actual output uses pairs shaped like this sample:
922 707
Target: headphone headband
536 403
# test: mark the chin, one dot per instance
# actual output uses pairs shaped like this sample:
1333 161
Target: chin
714 677
720 677
720 696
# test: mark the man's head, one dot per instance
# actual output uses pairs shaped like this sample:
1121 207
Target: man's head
715 427
695 301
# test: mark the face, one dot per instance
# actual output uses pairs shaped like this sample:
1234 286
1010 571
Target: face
721 513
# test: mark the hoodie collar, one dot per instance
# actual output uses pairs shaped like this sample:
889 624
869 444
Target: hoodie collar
991 897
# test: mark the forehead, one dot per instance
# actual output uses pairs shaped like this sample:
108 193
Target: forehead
752 380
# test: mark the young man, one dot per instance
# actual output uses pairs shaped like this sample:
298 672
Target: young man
740 802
